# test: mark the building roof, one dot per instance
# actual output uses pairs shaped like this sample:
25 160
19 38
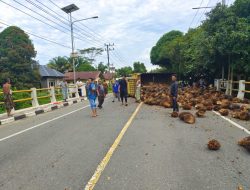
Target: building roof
48 72
108 76
84 75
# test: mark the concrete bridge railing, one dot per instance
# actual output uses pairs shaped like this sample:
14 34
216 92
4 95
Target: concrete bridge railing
53 93
233 86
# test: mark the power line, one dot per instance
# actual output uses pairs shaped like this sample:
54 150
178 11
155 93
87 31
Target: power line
43 21
117 58
40 14
203 13
94 42
57 18
41 37
101 38
76 28
195 15
97 42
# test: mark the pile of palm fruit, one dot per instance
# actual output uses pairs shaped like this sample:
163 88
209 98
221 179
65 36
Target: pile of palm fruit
202 101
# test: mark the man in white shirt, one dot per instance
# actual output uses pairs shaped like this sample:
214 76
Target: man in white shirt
79 84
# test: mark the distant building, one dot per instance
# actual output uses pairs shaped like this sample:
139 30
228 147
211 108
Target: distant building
49 77
84 76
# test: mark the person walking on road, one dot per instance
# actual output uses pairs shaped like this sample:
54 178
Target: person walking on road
64 86
115 89
92 93
174 93
106 86
123 89
7 95
101 94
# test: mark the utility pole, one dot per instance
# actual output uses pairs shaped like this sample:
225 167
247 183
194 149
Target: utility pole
107 48
223 2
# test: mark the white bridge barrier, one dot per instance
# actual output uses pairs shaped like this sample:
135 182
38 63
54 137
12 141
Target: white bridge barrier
51 93
229 87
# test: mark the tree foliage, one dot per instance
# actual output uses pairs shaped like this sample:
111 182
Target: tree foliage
124 71
139 67
160 52
101 67
17 55
221 42
91 53
61 64
82 63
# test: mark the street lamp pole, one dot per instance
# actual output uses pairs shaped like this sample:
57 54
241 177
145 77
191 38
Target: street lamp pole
69 9
72 47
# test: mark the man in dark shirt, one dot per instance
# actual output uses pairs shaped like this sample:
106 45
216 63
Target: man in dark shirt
123 88
174 93
101 94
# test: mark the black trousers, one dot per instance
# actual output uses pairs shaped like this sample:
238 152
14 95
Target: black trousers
124 95
100 101
175 105
80 92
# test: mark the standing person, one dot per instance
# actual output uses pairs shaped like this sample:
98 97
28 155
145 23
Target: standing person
96 86
101 94
115 89
7 95
92 93
123 89
174 93
138 91
202 85
79 84
64 86
106 86
87 89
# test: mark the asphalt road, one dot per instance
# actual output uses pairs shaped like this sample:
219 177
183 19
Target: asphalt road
156 152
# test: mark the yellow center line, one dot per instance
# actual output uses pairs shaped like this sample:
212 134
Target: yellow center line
100 168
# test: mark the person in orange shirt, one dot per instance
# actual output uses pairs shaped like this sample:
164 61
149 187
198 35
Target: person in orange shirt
7 94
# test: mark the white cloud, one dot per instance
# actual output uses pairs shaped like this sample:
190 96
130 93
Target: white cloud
133 25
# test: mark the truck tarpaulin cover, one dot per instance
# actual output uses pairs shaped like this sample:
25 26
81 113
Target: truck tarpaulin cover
158 78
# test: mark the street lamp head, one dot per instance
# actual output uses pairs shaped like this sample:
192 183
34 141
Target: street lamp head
95 17
70 8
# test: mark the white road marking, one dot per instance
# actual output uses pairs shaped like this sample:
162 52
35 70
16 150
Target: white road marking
234 123
28 129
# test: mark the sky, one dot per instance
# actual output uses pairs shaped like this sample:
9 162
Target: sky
134 26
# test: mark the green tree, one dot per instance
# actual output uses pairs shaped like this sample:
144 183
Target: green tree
61 64
86 67
229 36
220 45
91 53
139 67
159 54
17 55
124 71
101 67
